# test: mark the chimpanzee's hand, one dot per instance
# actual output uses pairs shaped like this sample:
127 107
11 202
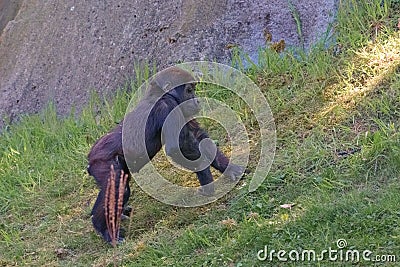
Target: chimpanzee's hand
234 172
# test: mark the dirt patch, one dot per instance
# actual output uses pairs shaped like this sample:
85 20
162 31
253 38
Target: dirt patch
61 50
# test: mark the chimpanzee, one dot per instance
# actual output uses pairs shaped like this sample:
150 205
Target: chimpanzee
150 114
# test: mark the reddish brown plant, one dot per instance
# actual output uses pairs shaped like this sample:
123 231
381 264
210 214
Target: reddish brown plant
113 204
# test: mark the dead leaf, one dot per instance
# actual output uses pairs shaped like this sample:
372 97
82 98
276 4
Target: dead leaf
253 215
229 223
287 206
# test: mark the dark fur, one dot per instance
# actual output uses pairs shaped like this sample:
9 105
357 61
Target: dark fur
105 152
108 150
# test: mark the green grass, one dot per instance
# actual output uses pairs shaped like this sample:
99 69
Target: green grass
337 113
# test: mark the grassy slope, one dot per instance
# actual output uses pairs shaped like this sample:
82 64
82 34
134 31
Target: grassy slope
337 113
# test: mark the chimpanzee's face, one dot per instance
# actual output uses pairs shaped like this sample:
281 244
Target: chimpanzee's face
186 96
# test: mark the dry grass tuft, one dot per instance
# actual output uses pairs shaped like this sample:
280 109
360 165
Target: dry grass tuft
114 204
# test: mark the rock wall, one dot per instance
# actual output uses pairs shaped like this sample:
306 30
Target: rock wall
61 50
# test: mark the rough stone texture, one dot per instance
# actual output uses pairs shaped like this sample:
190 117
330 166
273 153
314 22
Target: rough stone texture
8 11
61 50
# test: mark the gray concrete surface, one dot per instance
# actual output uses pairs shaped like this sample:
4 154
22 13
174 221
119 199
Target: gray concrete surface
61 50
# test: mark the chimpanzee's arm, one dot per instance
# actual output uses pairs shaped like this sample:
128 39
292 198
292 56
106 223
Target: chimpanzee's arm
220 162
171 131
180 141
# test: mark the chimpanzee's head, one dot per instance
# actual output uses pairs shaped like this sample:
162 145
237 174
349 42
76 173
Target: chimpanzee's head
186 97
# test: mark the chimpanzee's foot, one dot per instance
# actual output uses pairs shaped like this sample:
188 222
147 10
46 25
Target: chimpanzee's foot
127 211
